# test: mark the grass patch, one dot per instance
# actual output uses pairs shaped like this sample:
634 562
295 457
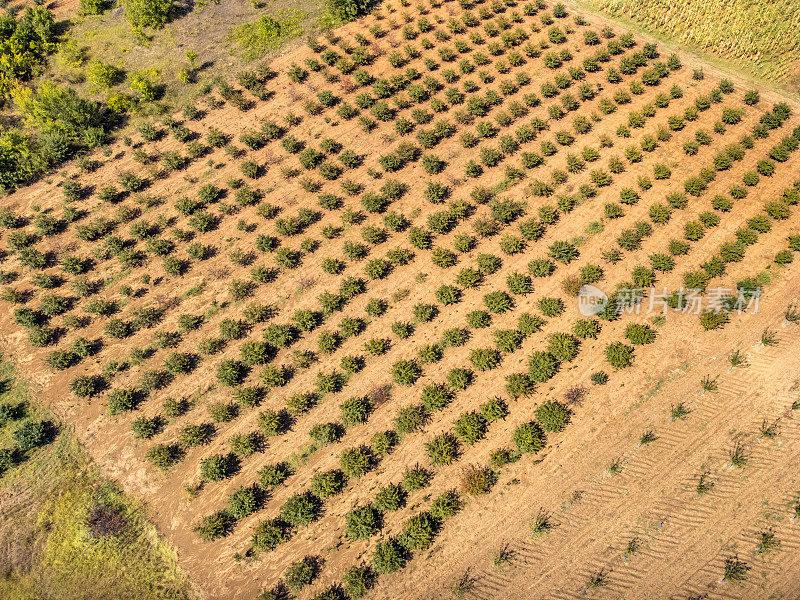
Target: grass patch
267 33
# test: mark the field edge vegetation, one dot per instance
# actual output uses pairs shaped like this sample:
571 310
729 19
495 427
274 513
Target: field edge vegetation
68 531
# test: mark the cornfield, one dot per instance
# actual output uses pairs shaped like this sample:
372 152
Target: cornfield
764 35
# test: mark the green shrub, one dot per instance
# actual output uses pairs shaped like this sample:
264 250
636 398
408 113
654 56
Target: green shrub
223 412
301 573
270 476
562 346
551 307
542 366
231 372
165 456
470 427
358 581
86 386
435 397
519 385
529 437
425 313
362 522
388 556
268 535
246 444
327 484
418 532
217 467
494 409
410 419
619 355
478 319
121 400
553 416
326 433
498 302
196 435
443 449
390 498
301 509
484 359
355 462
144 428
416 478
214 526
406 372
639 333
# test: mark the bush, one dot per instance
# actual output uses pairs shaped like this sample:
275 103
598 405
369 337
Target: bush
529 437
542 366
416 478
553 416
564 252
477 480
268 535
562 346
435 397
358 580
355 462
246 444
231 372
551 307
406 372
270 476
443 449
619 355
223 412
362 522
410 419
498 302
85 386
144 428
301 573
355 410
196 435
419 531
33 435
425 313
164 456
388 557
586 328
470 427
639 333
327 484
484 359
326 433
217 467
148 13
390 498
349 10
301 509
121 400
214 526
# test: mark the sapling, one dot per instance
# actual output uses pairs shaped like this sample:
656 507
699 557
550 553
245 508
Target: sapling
769 338
737 455
542 523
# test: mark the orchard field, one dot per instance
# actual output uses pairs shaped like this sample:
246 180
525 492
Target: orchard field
325 321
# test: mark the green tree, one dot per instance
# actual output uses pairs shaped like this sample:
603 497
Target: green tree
148 13
349 10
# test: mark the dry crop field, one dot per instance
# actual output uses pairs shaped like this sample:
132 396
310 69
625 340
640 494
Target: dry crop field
326 324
